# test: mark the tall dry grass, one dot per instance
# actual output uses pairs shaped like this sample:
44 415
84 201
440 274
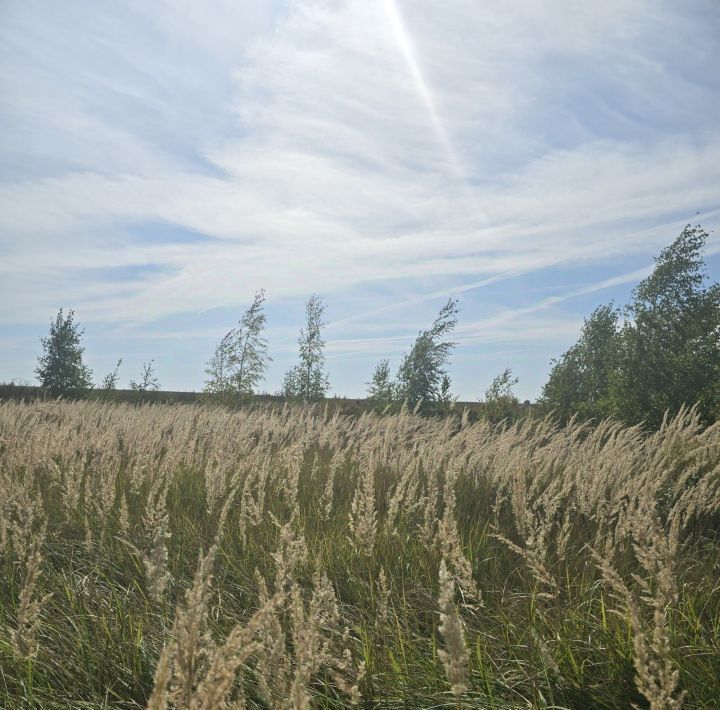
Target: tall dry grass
187 557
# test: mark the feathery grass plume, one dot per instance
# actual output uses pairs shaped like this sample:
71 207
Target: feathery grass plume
363 516
23 515
99 494
429 527
155 510
160 695
225 660
383 593
89 537
273 672
4 522
105 468
327 498
156 562
696 489
293 460
191 635
646 501
216 677
290 557
22 637
450 544
70 477
225 510
412 502
317 642
304 645
123 514
406 490
656 676
518 500
252 501
534 554
216 476
454 655
564 533
187 653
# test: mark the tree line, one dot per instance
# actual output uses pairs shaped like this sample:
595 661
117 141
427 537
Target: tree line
658 353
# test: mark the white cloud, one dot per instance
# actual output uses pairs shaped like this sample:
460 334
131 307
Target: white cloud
491 330
329 150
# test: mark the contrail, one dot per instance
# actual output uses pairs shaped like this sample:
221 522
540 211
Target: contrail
425 297
421 86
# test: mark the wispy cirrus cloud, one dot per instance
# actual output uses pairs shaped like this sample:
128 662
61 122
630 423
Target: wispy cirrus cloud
351 148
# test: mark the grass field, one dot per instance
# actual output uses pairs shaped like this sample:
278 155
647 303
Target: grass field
181 556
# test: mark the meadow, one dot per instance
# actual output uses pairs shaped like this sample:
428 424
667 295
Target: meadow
290 557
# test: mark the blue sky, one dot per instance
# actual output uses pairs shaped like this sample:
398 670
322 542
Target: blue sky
161 161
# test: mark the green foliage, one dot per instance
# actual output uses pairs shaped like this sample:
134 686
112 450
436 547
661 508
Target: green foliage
446 400
500 400
60 368
110 381
670 344
241 358
581 379
308 380
381 390
219 368
148 382
422 370
664 354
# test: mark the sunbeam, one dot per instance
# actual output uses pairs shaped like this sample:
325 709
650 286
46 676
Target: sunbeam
408 51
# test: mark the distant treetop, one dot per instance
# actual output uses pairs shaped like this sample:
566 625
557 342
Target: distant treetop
60 368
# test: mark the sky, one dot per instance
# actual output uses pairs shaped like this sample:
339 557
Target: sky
162 161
